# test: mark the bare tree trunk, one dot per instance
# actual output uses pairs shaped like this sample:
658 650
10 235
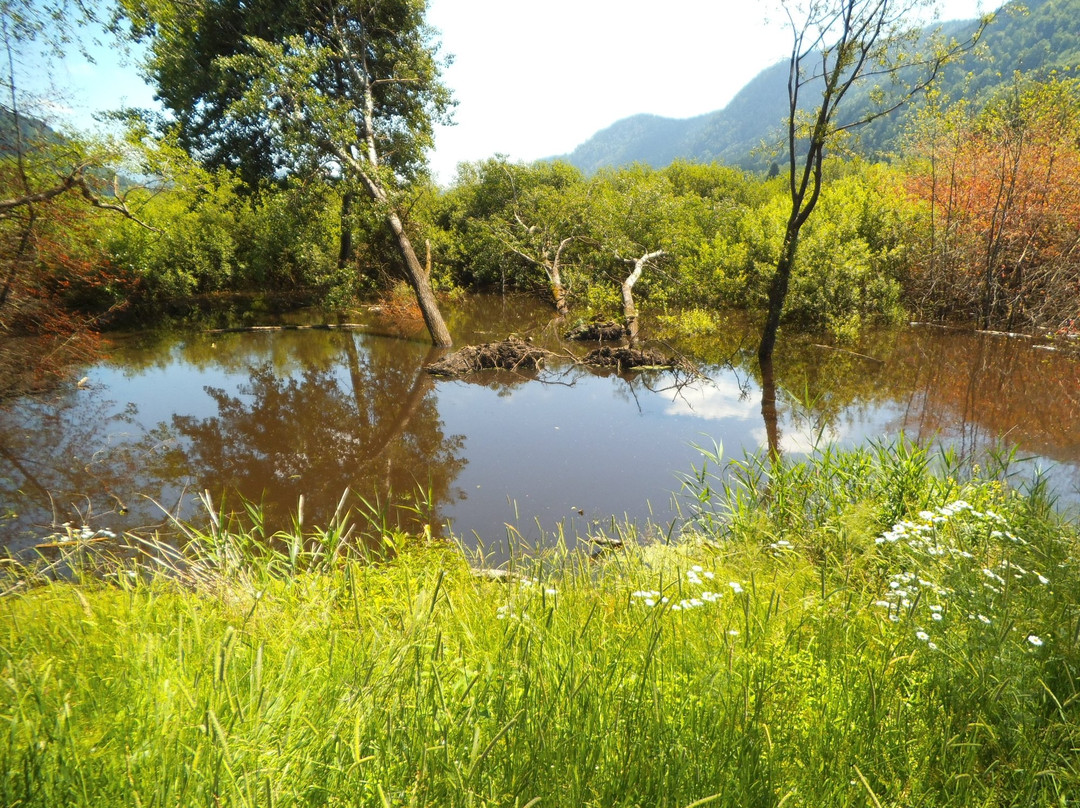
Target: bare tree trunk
630 315
554 273
421 284
558 294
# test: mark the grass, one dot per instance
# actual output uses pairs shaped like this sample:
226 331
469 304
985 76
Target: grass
852 630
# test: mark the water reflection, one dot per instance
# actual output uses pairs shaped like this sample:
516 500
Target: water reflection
367 421
272 416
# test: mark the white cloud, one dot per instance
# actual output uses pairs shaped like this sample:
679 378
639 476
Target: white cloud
721 400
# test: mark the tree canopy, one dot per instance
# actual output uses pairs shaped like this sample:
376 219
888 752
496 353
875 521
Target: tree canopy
349 90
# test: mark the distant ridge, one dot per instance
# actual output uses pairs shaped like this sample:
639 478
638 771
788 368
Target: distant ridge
1044 38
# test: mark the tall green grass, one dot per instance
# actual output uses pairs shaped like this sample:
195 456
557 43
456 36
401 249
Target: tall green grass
850 630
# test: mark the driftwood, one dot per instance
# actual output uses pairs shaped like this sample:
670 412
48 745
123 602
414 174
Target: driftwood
849 353
627 358
498 575
511 354
243 329
597 332
515 354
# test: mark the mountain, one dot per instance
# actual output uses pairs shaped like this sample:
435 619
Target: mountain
1045 36
31 131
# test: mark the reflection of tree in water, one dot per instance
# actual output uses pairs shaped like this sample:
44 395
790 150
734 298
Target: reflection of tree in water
373 429
979 389
973 390
68 458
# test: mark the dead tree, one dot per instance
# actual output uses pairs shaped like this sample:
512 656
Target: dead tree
630 315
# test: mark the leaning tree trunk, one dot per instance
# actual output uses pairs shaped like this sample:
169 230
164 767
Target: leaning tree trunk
420 281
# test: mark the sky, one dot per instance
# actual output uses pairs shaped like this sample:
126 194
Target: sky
532 78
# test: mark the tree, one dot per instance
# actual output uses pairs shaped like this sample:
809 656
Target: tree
838 45
1003 207
637 220
542 217
52 270
350 88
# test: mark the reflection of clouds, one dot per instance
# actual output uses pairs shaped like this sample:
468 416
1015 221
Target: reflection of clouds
798 442
719 401
723 400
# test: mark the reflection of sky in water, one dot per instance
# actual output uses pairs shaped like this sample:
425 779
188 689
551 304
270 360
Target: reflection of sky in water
160 392
603 447
578 451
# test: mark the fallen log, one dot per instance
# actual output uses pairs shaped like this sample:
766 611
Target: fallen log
245 329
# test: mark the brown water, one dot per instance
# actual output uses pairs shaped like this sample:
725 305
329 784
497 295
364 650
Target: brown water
271 416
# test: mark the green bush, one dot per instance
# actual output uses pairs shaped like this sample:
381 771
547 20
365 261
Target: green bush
848 629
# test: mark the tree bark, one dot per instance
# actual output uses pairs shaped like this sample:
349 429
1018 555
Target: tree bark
554 272
778 293
630 315
345 251
558 295
421 284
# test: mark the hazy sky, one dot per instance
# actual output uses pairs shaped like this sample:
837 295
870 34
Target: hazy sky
535 78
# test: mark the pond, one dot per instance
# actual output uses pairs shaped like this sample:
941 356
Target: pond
269 416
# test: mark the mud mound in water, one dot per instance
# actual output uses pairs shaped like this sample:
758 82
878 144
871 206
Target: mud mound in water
627 358
510 354
597 332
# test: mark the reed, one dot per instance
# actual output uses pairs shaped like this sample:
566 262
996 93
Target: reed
849 630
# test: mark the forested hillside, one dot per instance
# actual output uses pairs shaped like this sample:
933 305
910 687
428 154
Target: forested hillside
1032 37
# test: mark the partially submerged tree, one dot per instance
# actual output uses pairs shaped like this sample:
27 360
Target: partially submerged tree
347 87
838 45
544 221
630 315
637 220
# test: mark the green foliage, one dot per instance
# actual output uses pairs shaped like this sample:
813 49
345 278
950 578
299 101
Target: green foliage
851 255
721 231
269 86
503 222
212 236
794 646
